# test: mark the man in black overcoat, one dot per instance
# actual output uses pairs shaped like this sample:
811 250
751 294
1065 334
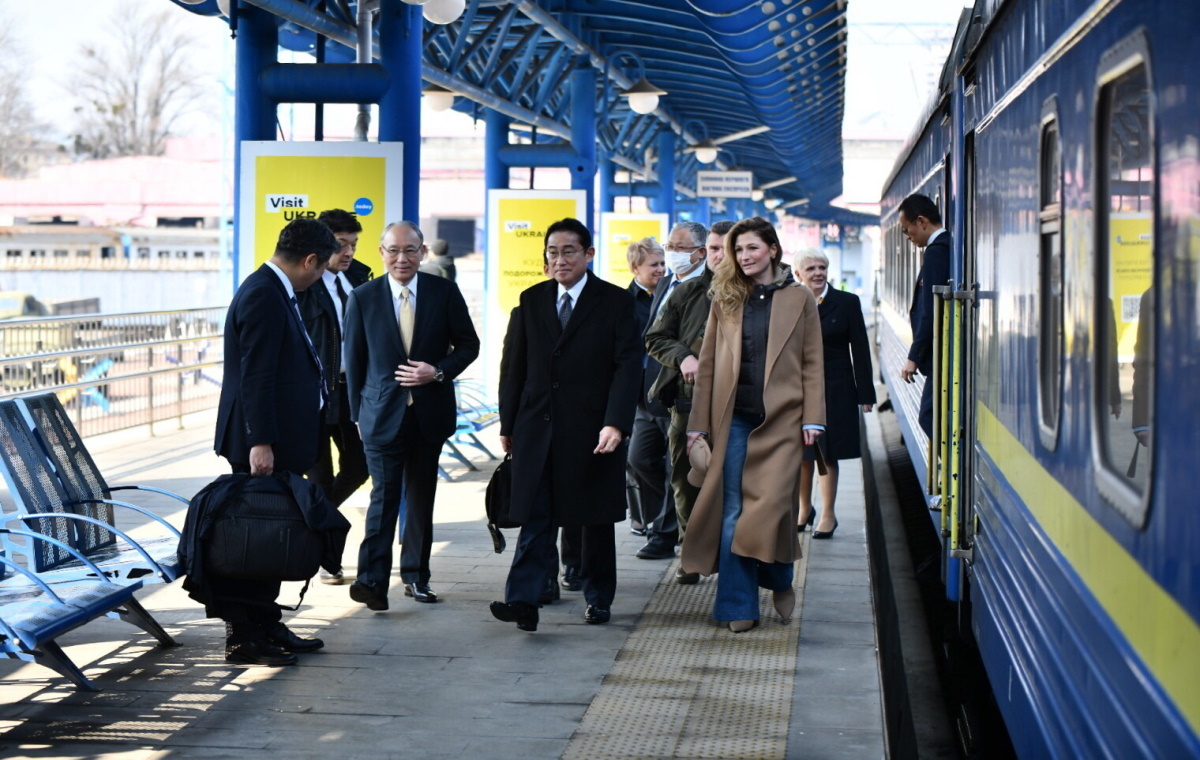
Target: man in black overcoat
568 391
921 222
408 335
268 419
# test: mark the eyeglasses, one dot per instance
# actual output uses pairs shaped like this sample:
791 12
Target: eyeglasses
682 248
408 253
568 254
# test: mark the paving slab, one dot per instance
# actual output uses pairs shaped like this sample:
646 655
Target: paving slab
447 680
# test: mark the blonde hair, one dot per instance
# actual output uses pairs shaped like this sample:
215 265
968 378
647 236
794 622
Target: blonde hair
731 287
639 250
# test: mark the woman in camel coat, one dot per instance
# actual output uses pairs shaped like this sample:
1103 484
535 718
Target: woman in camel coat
759 398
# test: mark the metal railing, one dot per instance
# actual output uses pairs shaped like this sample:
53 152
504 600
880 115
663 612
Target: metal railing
116 371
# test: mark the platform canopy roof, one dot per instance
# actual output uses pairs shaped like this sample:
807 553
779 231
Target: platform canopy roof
763 79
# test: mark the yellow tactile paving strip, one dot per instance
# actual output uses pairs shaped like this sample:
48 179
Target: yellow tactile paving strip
684 687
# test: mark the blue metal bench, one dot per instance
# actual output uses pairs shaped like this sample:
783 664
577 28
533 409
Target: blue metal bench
36 609
474 415
42 502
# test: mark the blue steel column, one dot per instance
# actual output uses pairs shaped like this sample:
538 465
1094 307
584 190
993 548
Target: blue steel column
496 172
583 133
703 212
608 175
254 115
666 175
400 30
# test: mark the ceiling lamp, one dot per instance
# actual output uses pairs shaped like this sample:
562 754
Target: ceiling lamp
643 96
443 11
757 194
706 151
438 97
415 2
773 203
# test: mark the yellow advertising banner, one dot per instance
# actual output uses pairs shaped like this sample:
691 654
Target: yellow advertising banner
281 181
1131 272
516 233
516 226
617 231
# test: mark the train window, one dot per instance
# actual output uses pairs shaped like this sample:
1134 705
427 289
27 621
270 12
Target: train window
13 253
1050 284
83 253
1125 288
143 253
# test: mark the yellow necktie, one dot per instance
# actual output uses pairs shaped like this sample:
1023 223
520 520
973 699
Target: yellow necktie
406 319
406 326
821 300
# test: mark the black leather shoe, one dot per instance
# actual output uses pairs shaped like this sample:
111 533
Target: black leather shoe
656 548
258 652
368 595
279 635
550 594
525 615
571 581
595 616
685 578
420 592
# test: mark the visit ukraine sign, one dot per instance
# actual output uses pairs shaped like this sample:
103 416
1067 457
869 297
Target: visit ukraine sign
282 181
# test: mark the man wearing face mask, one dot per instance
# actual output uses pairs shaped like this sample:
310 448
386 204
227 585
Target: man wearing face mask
674 339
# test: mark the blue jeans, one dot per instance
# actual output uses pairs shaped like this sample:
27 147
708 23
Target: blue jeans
739 577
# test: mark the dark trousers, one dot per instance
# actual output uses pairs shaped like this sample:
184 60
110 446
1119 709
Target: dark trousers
925 416
247 605
571 543
650 468
535 562
404 470
352 460
685 492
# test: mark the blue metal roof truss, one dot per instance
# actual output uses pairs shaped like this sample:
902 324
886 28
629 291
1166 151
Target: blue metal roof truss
728 65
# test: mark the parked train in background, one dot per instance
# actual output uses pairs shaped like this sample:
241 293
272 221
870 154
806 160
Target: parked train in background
1063 148
68 246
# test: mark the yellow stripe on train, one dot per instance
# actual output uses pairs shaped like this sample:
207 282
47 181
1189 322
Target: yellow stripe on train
1159 630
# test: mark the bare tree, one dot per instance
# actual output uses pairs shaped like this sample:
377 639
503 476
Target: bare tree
134 85
19 126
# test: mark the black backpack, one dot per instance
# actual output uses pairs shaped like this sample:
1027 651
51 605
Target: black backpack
260 533
498 502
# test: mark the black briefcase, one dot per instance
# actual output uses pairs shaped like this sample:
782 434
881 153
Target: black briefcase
498 501
260 534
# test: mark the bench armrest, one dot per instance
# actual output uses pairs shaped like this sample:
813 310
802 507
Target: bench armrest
134 507
61 545
84 518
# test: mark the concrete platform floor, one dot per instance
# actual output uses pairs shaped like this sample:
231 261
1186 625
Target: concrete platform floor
447 680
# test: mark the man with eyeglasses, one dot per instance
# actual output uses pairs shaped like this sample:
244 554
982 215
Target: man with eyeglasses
408 335
685 258
674 339
569 381
323 308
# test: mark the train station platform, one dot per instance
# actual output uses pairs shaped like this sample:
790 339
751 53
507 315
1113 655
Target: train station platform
447 680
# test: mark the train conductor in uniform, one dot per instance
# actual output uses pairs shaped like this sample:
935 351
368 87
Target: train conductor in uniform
570 378
921 222
408 335
269 419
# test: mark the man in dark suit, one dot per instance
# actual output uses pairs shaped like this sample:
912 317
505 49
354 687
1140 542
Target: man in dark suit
268 419
568 391
323 308
408 335
921 222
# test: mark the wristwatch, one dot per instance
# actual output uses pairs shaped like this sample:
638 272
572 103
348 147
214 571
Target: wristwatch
438 375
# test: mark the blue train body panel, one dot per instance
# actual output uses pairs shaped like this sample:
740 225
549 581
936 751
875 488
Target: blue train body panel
1084 581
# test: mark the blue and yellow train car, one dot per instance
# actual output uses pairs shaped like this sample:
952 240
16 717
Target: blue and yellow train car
1063 148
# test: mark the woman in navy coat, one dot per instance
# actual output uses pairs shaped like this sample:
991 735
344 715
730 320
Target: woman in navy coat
848 387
